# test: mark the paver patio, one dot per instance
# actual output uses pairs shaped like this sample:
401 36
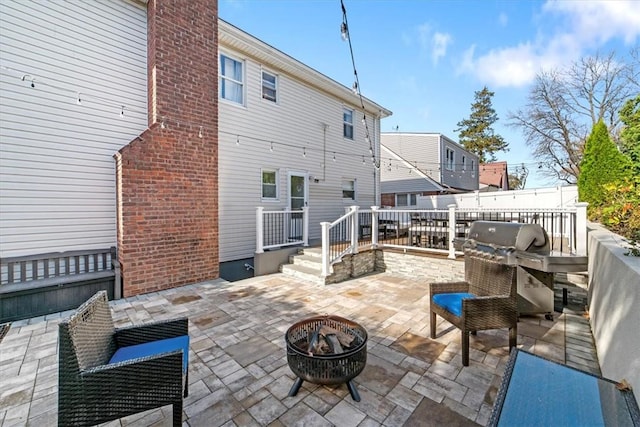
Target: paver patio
238 369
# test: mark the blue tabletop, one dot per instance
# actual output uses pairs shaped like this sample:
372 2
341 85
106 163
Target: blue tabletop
544 393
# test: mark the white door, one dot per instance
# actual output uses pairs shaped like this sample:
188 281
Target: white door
298 189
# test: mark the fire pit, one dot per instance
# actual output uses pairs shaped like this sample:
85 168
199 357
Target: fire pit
328 350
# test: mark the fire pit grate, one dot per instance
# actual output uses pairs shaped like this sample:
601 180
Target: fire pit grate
330 368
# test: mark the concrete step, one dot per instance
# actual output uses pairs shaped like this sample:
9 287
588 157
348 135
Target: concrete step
303 272
306 260
312 252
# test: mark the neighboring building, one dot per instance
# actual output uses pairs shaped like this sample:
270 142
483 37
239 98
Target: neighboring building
197 147
422 164
494 176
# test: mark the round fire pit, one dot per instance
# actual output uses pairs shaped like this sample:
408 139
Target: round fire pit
327 350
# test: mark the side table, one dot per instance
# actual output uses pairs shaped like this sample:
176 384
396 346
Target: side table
539 392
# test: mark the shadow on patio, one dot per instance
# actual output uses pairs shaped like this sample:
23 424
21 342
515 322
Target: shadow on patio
238 370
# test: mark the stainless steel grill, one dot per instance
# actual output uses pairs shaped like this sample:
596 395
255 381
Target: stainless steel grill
527 247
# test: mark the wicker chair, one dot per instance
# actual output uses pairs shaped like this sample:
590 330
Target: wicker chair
486 299
107 373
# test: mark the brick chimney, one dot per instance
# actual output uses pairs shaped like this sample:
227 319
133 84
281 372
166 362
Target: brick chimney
167 178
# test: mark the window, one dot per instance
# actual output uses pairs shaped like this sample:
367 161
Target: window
464 163
270 184
347 126
406 199
348 189
231 79
473 165
269 86
450 159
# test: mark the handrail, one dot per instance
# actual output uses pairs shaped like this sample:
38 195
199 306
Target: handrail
275 229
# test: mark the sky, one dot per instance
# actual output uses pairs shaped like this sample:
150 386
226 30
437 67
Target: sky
425 59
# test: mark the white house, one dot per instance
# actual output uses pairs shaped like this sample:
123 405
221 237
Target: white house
74 92
288 137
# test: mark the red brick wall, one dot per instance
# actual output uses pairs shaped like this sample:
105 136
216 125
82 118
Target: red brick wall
167 179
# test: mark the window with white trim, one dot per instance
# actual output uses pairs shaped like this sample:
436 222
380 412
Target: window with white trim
473 165
407 199
269 86
464 163
269 184
348 189
450 159
231 79
347 125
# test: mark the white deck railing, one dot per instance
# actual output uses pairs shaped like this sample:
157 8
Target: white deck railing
428 230
276 229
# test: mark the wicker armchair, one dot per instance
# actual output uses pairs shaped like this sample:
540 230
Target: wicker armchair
486 299
107 373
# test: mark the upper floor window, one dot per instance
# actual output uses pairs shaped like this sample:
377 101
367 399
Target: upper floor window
269 86
269 184
464 163
473 165
231 79
450 162
347 126
349 189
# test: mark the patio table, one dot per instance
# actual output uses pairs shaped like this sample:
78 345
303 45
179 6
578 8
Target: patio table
539 392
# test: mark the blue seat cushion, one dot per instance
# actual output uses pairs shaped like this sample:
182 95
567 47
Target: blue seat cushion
154 347
452 302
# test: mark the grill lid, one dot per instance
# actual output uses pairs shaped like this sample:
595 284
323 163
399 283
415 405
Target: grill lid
515 236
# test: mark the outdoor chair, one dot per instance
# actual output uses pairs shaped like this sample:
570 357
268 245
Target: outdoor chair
107 373
486 299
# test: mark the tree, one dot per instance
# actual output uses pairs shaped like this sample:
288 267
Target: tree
630 134
564 105
601 165
476 133
518 179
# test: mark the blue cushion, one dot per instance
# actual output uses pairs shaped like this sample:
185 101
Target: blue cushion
154 347
452 302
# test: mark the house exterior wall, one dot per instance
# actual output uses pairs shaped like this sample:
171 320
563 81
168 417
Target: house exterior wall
460 176
167 178
57 175
260 134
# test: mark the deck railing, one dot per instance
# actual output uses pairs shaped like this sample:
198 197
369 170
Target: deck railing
276 229
434 230
429 230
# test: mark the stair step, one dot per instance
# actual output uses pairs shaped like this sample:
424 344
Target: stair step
303 272
306 260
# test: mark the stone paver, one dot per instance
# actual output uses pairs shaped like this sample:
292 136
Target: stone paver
238 368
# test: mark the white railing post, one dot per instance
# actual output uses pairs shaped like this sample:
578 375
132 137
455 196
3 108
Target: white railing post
452 230
305 226
374 226
581 228
354 229
325 248
259 230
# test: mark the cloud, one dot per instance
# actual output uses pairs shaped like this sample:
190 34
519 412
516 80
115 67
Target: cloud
599 21
567 30
439 41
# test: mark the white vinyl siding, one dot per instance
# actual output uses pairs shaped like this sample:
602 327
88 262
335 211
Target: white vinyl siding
57 172
260 127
